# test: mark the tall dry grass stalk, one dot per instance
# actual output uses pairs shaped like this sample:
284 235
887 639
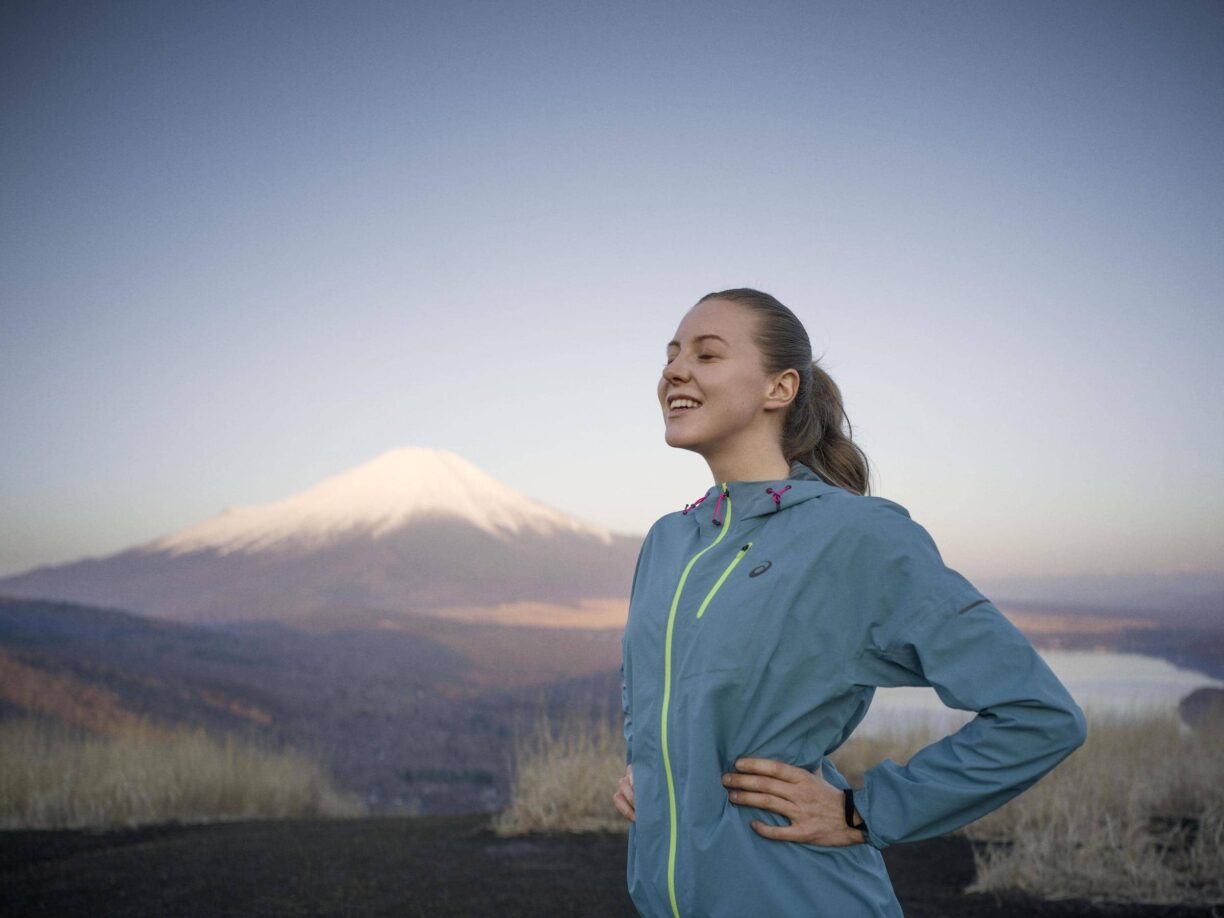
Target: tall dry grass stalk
564 775
54 777
1135 815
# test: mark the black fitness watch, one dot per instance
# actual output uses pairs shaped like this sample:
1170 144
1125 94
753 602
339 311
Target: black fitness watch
850 811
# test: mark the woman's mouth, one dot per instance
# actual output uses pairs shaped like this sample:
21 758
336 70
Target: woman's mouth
682 405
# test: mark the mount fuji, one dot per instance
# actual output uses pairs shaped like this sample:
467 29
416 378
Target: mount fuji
414 531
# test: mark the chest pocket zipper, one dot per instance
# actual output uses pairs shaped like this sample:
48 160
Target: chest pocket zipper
719 582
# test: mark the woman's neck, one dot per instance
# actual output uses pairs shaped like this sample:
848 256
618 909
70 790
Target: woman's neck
768 467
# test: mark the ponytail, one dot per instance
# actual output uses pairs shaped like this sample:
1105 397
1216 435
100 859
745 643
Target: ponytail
813 434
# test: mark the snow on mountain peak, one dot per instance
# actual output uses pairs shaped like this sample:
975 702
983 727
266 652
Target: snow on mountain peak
375 498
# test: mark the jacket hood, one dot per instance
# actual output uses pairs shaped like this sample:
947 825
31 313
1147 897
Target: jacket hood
748 499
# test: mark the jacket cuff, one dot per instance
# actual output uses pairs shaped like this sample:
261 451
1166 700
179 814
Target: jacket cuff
862 803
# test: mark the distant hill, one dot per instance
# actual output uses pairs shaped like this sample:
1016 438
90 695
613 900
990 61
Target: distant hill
419 718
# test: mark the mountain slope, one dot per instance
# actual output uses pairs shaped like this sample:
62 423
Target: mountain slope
420 715
414 530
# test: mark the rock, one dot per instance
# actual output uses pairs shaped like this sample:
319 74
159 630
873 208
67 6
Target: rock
1204 707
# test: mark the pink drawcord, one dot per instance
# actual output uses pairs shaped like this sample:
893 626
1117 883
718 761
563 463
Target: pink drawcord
725 495
688 507
777 496
717 505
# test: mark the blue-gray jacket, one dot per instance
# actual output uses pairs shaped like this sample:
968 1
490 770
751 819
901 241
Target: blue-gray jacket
761 620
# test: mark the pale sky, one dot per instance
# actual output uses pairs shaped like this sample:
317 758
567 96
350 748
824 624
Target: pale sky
247 246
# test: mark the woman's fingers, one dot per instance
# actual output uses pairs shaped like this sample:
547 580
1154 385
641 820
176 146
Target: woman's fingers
764 802
770 776
815 808
625 787
623 798
783 790
623 806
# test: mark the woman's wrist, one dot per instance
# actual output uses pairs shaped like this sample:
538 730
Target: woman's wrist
854 819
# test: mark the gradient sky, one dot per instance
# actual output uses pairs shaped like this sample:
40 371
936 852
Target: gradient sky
250 245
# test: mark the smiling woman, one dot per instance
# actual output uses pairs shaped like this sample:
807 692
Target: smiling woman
734 700
712 379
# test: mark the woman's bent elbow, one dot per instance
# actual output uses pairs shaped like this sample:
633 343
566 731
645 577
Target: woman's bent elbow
1073 727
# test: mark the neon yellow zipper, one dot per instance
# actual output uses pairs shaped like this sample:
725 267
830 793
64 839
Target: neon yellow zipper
719 581
671 621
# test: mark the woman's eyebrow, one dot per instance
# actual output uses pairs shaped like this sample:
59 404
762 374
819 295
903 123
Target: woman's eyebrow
698 338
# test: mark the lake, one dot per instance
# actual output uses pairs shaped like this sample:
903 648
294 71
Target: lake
1103 682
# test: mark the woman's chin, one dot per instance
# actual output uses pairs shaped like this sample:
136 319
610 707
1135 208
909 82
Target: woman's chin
680 439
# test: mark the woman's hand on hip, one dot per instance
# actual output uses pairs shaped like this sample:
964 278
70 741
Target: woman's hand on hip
623 798
816 809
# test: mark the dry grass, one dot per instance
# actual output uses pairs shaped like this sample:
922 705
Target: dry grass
54 777
565 773
1135 815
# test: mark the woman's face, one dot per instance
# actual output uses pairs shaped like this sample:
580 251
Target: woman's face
714 361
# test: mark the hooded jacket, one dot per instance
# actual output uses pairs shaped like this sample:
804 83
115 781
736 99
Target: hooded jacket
762 618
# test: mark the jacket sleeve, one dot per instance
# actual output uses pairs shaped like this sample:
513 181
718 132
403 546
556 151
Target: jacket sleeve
626 671
940 631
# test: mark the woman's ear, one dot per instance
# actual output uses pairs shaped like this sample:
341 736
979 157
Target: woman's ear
783 388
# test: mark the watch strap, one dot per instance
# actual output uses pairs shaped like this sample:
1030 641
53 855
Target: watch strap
849 795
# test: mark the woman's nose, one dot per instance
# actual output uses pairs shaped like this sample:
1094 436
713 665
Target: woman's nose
675 370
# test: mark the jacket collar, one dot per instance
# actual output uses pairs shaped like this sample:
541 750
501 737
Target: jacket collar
743 500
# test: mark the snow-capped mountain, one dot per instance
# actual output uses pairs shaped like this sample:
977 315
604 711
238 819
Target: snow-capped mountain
413 530
401 487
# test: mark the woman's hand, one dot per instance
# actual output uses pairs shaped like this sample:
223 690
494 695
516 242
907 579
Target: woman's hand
816 809
623 798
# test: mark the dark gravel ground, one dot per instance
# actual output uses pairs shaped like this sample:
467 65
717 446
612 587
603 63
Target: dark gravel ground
408 867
